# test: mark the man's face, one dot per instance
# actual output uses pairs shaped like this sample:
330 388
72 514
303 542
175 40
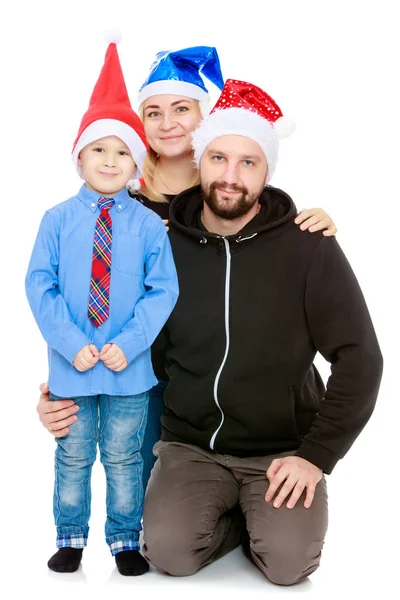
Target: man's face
233 173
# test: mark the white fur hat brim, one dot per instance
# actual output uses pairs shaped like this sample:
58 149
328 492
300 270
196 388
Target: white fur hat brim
172 86
237 121
105 127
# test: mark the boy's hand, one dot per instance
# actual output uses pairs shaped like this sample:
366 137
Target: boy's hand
113 357
86 358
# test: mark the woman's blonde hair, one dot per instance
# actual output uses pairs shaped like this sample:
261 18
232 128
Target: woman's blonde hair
150 165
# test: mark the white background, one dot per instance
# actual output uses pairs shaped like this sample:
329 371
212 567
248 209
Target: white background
333 67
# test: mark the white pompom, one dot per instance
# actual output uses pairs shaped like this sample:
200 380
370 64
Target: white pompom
284 126
112 36
133 185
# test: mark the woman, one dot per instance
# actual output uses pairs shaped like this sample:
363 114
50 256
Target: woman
172 102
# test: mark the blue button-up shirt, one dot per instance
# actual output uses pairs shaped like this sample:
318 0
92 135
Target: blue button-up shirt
144 290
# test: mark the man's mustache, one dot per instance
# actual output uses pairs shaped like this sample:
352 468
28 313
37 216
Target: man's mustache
228 187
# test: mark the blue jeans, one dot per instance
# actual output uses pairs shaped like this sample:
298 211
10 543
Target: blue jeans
117 424
153 429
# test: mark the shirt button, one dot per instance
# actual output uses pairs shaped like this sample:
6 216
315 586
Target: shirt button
93 205
119 205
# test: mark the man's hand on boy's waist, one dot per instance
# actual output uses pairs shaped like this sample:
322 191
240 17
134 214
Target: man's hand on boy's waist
56 415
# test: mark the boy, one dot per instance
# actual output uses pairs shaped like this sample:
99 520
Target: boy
100 300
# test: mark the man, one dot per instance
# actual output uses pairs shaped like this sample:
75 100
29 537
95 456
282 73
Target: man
249 430
247 422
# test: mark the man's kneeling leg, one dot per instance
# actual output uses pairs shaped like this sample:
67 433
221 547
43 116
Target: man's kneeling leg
190 512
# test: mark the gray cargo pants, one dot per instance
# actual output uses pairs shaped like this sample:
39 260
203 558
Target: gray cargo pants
191 515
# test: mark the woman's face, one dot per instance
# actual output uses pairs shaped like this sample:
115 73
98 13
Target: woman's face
168 122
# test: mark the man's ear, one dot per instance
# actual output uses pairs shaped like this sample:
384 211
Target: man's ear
267 179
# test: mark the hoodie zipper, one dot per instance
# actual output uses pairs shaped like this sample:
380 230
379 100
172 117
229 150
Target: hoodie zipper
216 382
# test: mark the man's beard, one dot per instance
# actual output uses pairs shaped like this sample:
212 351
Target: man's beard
236 207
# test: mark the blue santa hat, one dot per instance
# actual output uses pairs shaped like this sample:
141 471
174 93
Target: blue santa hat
179 73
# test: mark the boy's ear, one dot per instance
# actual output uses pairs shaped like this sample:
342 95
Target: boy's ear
79 160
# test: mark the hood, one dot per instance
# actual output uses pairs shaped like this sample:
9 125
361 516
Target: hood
277 208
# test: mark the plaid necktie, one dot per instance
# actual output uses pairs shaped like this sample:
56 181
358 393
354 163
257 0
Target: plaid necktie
99 295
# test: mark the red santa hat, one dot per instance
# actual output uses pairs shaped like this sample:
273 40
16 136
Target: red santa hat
110 111
244 109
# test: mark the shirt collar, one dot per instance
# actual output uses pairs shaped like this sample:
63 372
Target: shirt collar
90 198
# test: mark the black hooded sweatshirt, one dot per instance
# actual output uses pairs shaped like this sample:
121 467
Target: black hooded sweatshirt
253 310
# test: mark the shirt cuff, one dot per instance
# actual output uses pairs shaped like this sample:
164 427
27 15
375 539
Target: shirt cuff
130 343
70 345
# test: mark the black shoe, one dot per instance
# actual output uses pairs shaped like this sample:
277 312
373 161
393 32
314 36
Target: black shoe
66 560
131 562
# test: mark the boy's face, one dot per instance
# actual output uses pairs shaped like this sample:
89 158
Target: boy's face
107 165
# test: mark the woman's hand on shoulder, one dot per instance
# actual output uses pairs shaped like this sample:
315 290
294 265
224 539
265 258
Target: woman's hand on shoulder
316 219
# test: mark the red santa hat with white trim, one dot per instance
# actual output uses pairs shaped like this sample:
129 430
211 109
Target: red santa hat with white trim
110 111
244 109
